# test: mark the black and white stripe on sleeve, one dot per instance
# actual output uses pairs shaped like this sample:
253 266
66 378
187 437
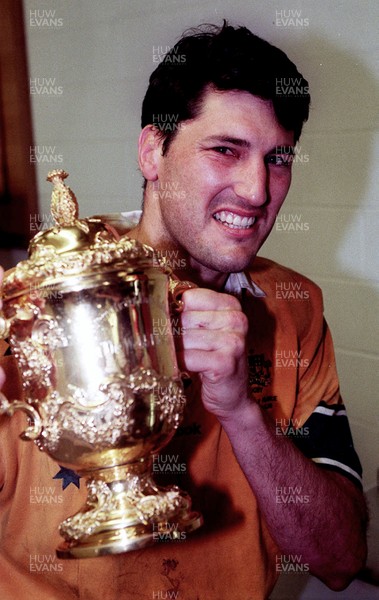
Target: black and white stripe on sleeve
326 438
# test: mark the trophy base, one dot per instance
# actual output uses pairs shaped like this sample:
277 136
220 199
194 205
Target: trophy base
130 538
125 511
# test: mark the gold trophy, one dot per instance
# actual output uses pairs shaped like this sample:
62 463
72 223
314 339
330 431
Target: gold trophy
102 392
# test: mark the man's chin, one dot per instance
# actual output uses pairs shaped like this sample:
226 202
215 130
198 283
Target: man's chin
226 264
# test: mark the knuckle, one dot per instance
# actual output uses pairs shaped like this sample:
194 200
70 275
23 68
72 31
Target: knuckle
231 302
192 296
238 321
236 343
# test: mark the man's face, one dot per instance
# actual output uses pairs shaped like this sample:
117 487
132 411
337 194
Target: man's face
223 181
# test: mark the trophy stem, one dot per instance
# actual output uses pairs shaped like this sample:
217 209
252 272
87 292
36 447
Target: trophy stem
126 510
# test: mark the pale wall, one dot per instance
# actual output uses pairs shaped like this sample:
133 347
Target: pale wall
100 55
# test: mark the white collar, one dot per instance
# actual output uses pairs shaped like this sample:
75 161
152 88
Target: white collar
238 281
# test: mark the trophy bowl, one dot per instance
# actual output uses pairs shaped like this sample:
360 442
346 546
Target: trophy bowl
102 391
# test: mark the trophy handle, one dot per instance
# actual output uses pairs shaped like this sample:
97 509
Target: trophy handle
35 424
176 288
8 408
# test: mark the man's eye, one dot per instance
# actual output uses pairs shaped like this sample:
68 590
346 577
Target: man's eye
280 160
223 150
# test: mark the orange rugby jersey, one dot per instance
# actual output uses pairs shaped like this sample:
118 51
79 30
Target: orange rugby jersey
292 375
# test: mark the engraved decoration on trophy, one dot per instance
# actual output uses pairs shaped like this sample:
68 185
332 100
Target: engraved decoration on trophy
101 392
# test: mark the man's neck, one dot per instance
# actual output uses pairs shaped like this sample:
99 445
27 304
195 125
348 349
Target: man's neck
184 266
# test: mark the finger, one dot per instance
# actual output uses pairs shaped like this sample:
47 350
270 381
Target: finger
2 377
232 320
233 343
215 365
202 299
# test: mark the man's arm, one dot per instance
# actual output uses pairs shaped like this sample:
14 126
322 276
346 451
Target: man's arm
329 531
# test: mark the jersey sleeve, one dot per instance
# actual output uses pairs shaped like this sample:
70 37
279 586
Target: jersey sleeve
321 428
326 438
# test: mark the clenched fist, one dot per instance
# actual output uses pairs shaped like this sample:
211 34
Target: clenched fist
214 329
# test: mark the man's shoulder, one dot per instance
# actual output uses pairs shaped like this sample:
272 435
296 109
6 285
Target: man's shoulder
290 296
272 277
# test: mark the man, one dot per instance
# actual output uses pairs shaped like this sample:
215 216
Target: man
213 188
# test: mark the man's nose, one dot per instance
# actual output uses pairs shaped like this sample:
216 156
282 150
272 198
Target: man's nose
251 182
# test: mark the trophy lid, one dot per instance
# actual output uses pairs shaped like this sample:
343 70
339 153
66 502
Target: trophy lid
73 247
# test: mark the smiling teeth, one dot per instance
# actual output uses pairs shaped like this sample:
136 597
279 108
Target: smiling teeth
234 221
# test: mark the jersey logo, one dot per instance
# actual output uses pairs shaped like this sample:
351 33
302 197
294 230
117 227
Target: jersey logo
259 370
260 378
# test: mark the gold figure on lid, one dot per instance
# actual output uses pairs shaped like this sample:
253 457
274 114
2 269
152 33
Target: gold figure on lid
64 206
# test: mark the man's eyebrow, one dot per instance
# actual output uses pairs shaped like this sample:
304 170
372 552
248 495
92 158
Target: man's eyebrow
227 139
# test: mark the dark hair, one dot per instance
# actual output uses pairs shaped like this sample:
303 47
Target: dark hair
227 58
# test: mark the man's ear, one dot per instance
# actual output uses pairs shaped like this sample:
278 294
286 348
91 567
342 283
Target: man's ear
149 152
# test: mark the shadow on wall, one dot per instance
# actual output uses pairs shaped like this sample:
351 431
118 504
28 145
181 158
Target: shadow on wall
334 194
340 250
333 170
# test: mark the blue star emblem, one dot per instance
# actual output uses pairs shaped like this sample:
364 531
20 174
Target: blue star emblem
68 476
